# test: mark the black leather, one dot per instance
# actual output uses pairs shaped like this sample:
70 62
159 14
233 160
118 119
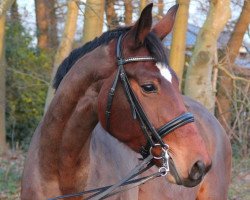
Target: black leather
175 123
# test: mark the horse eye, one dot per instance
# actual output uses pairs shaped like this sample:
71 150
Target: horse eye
149 88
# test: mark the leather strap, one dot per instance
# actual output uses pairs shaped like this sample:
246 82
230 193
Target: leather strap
104 192
168 128
175 123
137 169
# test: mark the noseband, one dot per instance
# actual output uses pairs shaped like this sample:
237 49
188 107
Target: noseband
153 136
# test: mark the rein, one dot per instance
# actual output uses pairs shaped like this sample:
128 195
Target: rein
107 191
153 136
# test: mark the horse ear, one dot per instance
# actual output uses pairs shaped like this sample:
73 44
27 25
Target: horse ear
165 25
142 27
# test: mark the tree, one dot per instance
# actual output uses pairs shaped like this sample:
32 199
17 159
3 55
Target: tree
46 24
160 7
178 46
14 12
128 12
93 19
2 86
235 41
27 81
225 87
53 40
65 46
111 14
4 6
198 84
143 4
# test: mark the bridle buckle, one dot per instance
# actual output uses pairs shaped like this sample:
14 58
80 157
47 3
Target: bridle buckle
164 150
164 156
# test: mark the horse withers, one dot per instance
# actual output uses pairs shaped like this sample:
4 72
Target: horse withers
122 80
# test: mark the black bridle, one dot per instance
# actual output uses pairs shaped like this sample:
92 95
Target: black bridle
153 136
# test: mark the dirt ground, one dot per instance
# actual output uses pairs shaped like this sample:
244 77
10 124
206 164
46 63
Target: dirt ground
11 166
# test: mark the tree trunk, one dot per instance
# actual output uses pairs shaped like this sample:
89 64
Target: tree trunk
15 17
198 84
160 7
46 24
2 86
240 29
93 19
128 12
225 86
143 4
111 14
65 46
178 46
42 24
4 6
53 39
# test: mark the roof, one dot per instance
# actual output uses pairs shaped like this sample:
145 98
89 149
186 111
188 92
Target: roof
190 37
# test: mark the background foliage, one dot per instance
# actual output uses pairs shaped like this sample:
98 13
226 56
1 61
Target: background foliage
28 76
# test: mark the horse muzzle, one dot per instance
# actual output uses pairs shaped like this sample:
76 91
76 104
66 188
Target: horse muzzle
195 176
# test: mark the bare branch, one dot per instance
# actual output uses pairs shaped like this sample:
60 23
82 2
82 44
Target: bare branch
33 76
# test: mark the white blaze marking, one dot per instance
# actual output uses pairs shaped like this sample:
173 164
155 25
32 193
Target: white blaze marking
164 71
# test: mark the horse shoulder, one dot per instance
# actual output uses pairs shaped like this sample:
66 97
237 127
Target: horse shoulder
110 161
216 182
34 185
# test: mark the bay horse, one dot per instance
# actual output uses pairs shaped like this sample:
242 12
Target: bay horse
116 101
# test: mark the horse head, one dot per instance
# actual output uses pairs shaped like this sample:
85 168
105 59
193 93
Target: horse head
156 87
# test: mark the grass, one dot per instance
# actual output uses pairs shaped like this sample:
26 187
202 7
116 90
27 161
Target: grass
240 187
11 166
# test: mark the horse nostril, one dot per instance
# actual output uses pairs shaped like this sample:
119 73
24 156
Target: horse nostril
197 171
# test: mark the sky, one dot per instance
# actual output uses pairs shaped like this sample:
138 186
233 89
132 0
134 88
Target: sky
27 10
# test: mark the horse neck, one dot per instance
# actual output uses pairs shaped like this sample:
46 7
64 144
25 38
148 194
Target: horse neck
87 71
72 114
110 161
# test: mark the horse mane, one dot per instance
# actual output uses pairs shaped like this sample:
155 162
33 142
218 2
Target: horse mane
152 43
